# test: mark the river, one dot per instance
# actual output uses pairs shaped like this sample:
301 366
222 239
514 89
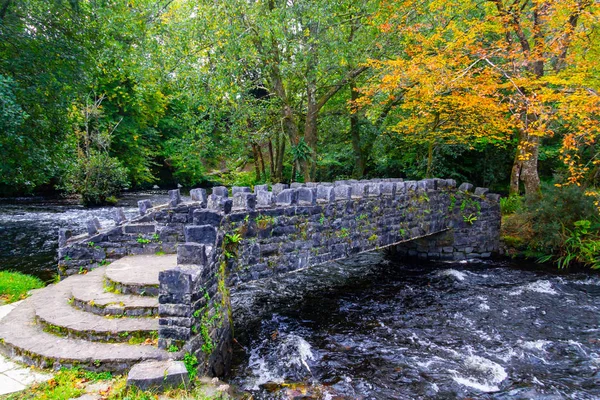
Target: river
375 327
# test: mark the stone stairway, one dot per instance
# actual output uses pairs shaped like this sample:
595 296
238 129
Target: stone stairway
105 320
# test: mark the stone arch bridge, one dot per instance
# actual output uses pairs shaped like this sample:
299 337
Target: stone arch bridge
228 238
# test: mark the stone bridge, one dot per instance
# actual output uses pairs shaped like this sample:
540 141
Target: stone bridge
225 239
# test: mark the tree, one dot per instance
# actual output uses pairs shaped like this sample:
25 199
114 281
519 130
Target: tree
475 73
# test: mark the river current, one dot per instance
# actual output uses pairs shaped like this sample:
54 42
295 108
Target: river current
375 327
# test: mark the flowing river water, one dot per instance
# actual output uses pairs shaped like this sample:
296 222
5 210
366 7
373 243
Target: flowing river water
375 327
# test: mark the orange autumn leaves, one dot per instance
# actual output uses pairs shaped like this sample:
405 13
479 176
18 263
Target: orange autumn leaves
492 72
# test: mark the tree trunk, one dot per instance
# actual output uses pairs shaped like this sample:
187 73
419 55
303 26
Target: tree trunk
310 134
256 161
359 159
272 160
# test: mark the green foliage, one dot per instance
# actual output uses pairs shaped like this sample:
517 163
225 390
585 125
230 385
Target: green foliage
97 178
191 364
15 285
140 239
510 204
561 226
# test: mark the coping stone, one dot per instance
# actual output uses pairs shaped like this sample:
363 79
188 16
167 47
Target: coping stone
158 375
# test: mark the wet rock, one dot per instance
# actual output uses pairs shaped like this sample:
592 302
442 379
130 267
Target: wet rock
158 375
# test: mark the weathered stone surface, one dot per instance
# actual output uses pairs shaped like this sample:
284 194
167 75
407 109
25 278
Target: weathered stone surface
63 236
174 198
191 253
144 206
325 194
207 217
287 197
220 191
244 201
239 189
158 375
296 185
199 195
479 191
204 234
119 216
342 192
264 199
307 196
261 188
93 226
278 187
465 187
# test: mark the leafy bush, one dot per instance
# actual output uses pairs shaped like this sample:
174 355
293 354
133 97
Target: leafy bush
511 204
98 178
563 226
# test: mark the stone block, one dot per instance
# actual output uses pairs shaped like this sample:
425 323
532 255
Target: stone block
139 228
144 206
264 199
207 217
374 189
325 194
359 190
119 216
204 234
400 187
342 192
199 195
219 203
286 197
158 375
387 189
244 201
174 198
466 187
296 185
63 236
479 191
450 183
411 186
191 253
278 188
493 197
240 189
93 226
307 196
261 188
311 184
220 191
339 183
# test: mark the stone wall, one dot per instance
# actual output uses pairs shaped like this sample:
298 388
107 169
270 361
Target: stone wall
263 234
222 242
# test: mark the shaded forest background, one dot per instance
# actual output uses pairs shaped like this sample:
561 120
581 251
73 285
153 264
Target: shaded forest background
98 95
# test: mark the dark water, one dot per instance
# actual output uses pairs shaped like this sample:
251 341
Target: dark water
372 327
445 331
29 228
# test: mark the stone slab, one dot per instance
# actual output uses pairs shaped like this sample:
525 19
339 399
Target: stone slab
52 309
141 270
158 375
92 297
25 341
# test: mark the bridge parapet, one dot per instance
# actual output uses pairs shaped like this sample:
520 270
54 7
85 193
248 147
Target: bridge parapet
222 242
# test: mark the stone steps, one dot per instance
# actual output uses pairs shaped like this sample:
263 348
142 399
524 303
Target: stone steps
76 322
57 316
93 298
138 275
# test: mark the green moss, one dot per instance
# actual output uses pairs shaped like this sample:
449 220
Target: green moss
15 285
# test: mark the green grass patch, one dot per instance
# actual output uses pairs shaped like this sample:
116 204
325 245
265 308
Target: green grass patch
74 382
15 285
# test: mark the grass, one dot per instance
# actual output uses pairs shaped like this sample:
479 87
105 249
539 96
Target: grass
75 382
15 285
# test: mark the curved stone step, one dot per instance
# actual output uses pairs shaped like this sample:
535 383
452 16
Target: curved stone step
138 274
53 311
92 297
23 339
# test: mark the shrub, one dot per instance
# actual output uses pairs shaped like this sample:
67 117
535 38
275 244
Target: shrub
98 178
562 226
